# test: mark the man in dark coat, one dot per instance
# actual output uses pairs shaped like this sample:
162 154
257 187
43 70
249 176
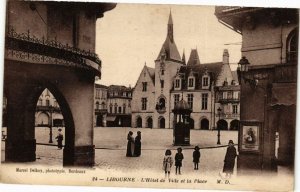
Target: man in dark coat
59 139
137 144
229 159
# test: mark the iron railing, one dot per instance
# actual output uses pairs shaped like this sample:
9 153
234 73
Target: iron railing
28 46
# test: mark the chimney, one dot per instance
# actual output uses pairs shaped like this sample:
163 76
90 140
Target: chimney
225 56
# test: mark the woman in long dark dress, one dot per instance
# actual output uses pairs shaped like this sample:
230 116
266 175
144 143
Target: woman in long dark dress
130 144
137 144
229 159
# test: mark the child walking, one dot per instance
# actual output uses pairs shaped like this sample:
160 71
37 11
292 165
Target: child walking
196 157
178 160
167 163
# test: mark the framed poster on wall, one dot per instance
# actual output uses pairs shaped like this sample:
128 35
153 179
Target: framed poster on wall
250 136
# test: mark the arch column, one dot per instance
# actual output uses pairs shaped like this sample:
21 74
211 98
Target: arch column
73 89
20 145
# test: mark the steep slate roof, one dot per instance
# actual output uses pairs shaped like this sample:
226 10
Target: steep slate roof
151 73
194 58
169 47
100 86
213 69
118 88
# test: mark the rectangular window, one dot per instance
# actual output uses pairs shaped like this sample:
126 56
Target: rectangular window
191 82
144 86
230 95
236 95
177 83
124 109
116 109
205 81
234 109
120 109
110 109
190 100
162 72
176 99
47 102
144 103
162 83
204 101
224 95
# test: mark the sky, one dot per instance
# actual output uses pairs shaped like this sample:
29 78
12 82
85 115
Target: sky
131 35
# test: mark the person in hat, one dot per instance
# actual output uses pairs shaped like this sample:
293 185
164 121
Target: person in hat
59 139
229 159
196 157
178 160
137 144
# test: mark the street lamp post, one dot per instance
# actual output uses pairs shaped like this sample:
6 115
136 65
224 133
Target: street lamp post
219 113
50 126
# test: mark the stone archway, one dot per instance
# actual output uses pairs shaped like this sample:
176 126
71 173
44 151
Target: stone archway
162 122
234 124
139 122
222 124
204 124
149 122
42 119
22 100
191 123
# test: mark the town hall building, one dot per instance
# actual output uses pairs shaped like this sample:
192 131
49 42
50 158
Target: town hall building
159 89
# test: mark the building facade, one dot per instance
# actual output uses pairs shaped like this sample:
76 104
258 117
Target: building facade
112 106
118 106
100 105
48 112
268 73
159 89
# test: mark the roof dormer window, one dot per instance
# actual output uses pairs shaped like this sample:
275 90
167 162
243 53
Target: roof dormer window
191 82
177 83
205 81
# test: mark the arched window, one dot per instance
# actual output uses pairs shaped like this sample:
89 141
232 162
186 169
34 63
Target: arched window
292 47
139 122
205 124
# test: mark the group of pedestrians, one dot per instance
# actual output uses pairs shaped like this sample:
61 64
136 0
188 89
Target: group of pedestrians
229 160
134 145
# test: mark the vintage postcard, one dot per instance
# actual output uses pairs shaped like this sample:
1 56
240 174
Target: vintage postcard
149 96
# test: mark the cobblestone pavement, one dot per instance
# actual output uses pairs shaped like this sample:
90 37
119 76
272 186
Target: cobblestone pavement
111 145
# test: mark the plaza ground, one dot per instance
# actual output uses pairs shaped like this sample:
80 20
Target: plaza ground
111 145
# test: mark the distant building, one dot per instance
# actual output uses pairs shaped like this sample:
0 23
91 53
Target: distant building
112 106
119 106
159 89
48 112
100 105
